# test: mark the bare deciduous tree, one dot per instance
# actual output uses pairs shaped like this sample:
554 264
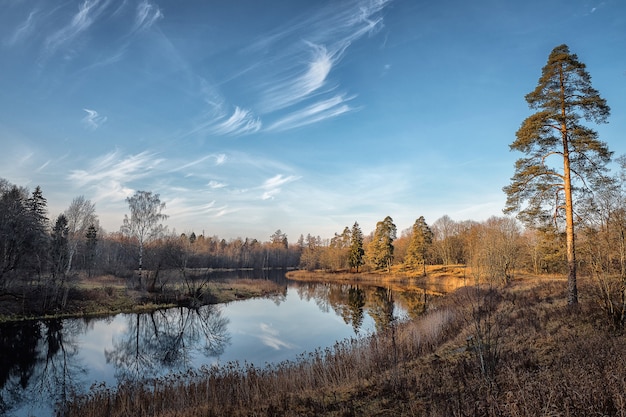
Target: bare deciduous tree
144 223
80 215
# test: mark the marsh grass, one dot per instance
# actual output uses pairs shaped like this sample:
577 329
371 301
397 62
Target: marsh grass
108 294
552 360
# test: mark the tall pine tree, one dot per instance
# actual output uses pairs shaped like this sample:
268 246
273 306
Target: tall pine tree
563 155
421 239
380 249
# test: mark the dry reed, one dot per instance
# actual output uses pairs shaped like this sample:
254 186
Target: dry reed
553 361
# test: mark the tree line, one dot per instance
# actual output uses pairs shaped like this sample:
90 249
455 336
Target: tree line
35 248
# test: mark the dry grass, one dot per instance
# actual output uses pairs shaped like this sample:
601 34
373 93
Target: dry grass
438 280
552 360
225 291
108 294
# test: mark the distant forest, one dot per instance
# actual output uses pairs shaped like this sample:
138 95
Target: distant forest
37 250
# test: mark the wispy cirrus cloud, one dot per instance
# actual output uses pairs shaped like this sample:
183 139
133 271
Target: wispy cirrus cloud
270 337
219 158
93 120
306 80
313 113
292 70
272 186
216 184
326 36
240 122
110 174
147 15
88 12
24 30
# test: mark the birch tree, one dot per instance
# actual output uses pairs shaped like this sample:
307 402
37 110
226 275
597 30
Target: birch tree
144 223
80 215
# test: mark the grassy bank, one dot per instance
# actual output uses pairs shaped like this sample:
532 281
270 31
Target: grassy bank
439 279
517 351
107 294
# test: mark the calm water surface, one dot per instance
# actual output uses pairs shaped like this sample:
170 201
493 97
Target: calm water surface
42 362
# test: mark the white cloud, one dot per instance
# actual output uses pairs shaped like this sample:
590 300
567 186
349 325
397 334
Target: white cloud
23 30
328 34
110 174
147 15
316 112
270 338
216 184
272 186
299 73
240 122
309 79
43 166
88 12
220 159
93 120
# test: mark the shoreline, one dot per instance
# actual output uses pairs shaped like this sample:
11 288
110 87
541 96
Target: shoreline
108 295
437 281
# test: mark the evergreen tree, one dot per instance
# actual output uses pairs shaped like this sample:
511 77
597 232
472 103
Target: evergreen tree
92 242
38 232
59 243
38 208
563 155
17 232
279 239
381 247
421 239
356 247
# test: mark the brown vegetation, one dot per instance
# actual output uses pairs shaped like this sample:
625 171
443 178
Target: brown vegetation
108 294
517 351
439 279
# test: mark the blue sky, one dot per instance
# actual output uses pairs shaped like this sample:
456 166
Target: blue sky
305 116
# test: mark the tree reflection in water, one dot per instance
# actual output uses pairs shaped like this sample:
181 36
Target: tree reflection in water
165 340
351 302
382 308
39 364
356 302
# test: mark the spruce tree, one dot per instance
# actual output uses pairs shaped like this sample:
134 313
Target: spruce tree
563 155
59 242
38 230
356 247
92 242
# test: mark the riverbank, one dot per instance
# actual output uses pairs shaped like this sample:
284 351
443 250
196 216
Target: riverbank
438 280
512 351
108 295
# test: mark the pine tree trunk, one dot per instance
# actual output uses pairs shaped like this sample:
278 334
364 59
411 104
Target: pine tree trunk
572 290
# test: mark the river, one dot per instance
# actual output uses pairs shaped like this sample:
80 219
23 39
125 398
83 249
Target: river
42 362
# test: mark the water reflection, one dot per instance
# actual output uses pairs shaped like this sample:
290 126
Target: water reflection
43 362
39 363
354 313
165 340
351 301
